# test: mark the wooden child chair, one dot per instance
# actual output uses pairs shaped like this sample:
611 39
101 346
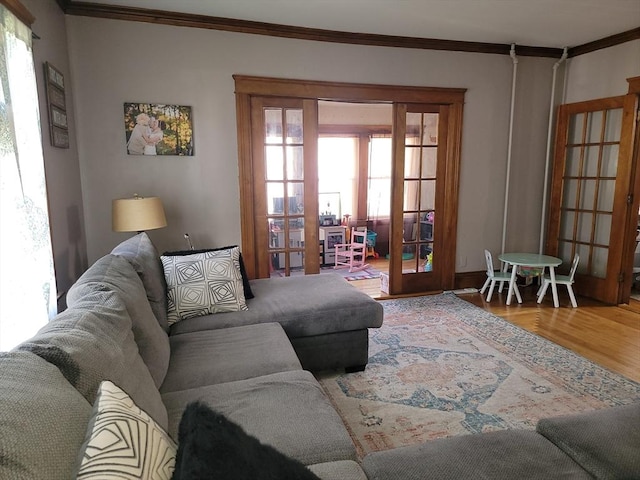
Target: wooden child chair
353 254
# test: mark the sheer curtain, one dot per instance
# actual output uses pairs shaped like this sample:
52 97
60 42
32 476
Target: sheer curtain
27 281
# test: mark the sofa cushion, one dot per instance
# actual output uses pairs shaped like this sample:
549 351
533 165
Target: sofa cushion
93 341
343 470
116 273
246 286
143 256
211 446
43 419
605 442
287 410
203 283
217 356
508 454
122 441
305 306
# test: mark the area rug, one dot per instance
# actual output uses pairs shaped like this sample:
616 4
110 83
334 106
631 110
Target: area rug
364 274
440 366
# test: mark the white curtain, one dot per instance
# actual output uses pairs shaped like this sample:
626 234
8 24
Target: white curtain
27 281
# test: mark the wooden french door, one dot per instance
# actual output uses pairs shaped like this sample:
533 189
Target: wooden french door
424 197
284 166
284 232
592 192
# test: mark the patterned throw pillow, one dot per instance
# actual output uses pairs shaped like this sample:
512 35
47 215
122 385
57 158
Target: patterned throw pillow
124 442
243 271
203 283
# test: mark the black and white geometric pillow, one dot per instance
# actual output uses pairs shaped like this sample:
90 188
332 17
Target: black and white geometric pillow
203 283
124 442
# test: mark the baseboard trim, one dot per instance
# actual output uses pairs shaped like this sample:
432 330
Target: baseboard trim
467 280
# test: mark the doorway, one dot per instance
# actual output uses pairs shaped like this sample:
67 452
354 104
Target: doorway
256 97
354 168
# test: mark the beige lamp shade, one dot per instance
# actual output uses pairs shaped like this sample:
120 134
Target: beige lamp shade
137 214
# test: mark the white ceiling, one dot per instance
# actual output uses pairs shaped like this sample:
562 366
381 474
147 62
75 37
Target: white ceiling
540 23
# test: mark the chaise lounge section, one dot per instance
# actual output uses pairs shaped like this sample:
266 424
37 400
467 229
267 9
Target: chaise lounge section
325 318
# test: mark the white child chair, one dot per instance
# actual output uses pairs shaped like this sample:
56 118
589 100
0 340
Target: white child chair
562 280
494 276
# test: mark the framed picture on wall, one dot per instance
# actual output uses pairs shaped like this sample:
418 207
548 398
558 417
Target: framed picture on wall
56 96
56 106
60 137
58 117
158 129
54 76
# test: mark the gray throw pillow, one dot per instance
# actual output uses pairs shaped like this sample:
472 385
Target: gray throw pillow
145 259
43 419
114 273
92 342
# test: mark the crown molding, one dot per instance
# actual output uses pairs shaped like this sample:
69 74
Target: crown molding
606 42
164 17
20 11
63 4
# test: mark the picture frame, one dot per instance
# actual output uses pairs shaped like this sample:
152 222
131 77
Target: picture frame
54 76
58 117
60 137
158 129
56 96
57 106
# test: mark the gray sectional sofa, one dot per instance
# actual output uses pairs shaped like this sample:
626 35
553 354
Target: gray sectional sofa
247 368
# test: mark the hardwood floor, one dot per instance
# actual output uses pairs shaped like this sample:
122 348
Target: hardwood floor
606 335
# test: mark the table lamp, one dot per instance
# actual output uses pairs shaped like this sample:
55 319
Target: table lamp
137 214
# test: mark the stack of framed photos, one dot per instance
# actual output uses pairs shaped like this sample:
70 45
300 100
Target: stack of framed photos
57 106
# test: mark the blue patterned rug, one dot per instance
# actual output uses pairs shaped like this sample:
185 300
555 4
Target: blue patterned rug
440 366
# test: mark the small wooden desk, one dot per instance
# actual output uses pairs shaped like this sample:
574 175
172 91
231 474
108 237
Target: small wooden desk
532 260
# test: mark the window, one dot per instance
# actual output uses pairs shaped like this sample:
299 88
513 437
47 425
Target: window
379 195
337 161
27 282
338 174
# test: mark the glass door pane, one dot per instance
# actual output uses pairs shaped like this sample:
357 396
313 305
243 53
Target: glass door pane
420 180
284 182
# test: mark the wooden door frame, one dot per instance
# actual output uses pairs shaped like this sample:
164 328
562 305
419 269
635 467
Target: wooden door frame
248 86
632 218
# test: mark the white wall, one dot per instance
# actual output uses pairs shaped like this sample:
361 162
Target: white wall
115 62
602 73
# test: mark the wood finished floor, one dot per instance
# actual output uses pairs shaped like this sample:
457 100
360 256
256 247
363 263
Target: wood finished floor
606 335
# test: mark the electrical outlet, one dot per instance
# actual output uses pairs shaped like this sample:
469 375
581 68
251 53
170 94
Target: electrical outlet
462 261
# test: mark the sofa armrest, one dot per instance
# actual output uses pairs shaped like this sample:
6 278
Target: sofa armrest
606 442
504 454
